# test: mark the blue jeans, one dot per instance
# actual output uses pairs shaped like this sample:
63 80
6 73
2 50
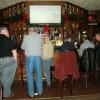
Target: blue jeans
7 72
34 63
46 64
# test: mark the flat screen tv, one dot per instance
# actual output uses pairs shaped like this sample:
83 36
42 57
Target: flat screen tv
45 14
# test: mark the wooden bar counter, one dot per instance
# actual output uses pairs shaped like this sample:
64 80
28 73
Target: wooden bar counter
65 64
21 65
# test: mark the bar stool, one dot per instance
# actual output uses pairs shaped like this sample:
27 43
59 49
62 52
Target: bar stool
65 70
87 64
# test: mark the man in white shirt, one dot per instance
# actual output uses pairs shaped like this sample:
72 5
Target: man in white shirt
86 44
32 45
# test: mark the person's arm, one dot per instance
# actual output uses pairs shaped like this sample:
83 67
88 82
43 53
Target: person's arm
23 45
14 52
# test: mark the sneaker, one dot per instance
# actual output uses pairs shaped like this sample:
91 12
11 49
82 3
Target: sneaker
12 95
36 94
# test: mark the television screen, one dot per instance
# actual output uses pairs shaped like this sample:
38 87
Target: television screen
45 14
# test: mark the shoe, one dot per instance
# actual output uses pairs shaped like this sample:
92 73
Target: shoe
11 95
36 94
30 96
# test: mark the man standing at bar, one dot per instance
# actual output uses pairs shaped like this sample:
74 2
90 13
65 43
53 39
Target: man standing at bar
32 44
8 61
47 56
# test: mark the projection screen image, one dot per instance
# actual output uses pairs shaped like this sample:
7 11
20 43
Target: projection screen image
45 14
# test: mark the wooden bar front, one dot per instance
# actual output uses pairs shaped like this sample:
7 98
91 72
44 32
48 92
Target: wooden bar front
23 69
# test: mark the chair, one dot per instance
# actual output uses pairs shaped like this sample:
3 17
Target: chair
65 70
21 64
87 64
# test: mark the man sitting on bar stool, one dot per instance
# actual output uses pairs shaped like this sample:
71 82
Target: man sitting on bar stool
86 44
67 45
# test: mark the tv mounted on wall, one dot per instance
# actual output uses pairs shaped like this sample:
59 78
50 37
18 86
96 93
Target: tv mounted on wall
45 14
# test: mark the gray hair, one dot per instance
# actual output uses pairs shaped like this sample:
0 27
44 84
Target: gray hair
32 29
3 29
98 34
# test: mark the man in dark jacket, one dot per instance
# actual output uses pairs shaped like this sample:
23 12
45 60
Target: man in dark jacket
67 45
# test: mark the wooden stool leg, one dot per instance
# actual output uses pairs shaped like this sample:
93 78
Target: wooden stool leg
21 76
86 84
71 85
61 88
